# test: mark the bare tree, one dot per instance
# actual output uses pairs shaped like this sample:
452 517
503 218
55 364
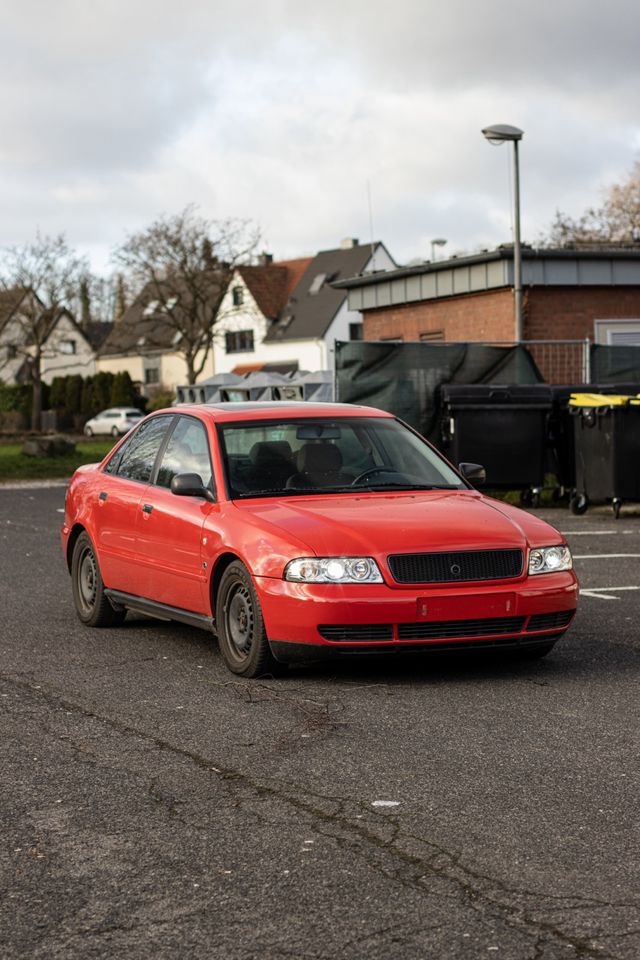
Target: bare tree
184 263
43 278
616 221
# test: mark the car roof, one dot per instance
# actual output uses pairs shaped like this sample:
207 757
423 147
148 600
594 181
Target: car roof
275 409
120 410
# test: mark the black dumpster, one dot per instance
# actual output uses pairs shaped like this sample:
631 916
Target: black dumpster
503 428
561 440
607 449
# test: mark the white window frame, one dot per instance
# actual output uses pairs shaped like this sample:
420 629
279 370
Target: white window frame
604 329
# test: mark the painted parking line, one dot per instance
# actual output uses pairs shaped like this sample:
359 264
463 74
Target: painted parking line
596 533
604 593
604 556
589 533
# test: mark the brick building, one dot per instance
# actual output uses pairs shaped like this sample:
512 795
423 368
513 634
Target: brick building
568 294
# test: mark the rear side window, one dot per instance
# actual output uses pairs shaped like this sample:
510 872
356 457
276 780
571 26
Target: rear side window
139 456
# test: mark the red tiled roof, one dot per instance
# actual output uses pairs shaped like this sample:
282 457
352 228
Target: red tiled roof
271 284
295 269
243 368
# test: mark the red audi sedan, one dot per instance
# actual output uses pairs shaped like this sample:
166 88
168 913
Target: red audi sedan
298 530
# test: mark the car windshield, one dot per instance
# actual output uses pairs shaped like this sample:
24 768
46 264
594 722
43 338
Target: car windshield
299 456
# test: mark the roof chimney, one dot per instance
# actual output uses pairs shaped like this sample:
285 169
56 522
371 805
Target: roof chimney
348 243
265 259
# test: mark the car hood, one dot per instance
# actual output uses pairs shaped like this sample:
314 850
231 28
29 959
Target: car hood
382 523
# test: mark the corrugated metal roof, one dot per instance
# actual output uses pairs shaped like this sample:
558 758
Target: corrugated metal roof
491 270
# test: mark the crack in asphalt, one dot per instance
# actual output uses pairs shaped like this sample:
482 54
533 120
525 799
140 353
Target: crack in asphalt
481 891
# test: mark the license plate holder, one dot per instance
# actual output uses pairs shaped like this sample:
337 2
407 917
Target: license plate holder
466 606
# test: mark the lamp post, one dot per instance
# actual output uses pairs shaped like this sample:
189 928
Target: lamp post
498 134
438 242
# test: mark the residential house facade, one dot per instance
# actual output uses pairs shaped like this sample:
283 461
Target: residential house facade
285 316
146 343
67 348
281 316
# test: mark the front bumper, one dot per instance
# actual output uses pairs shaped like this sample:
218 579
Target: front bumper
305 621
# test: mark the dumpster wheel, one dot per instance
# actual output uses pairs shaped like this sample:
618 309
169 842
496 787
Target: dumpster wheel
578 504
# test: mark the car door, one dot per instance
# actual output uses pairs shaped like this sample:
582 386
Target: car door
118 495
170 528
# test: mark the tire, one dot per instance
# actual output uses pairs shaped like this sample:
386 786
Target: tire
578 504
88 432
241 633
92 606
115 432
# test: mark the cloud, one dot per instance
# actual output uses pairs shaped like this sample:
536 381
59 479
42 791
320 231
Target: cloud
283 112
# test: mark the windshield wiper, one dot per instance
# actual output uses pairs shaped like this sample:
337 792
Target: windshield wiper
346 488
398 485
237 495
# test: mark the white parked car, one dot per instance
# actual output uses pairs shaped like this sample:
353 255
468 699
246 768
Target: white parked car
116 421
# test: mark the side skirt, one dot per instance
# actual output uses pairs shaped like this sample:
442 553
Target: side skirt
161 611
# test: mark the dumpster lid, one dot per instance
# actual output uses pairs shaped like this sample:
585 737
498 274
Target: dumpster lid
477 394
602 400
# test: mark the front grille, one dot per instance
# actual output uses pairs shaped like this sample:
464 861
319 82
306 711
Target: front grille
460 628
550 621
356 633
453 567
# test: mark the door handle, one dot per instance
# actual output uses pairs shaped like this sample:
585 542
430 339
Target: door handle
147 507
103 496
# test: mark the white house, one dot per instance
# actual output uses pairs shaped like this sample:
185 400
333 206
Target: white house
287 316
67 348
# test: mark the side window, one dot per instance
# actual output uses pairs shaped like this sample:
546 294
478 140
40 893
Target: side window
136 463
186 452
114 462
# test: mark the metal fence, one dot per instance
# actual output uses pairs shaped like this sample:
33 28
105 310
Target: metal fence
561 361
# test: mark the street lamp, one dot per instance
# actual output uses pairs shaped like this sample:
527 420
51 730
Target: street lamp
438 242
498 134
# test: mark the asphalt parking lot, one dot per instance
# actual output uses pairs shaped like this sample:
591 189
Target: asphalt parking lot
153 806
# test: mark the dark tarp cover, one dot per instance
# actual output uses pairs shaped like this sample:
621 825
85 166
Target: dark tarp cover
405 378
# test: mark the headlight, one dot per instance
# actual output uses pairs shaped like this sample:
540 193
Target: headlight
550 559
333 570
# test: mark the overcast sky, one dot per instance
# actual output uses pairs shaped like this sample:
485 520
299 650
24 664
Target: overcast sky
283 111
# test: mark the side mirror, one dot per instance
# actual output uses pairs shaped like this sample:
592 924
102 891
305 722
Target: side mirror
190 485
473 472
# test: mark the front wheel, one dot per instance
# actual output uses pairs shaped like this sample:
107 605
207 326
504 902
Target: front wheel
115 432
88 432
241 633
92 605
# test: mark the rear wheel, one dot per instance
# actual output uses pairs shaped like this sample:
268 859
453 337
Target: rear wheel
241 633
115 432
92 606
